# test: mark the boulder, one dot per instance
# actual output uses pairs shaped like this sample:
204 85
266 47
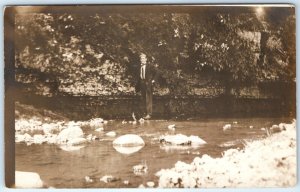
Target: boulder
111 134
129 140
69 134
96 123
76 141
180 139
38 139
226 127
28 180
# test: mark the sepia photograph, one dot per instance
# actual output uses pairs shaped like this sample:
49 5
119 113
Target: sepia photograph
150 96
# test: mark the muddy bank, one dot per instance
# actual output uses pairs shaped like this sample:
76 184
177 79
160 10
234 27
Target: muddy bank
269 162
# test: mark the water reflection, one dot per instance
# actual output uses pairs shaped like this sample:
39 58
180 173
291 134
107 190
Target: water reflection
127 150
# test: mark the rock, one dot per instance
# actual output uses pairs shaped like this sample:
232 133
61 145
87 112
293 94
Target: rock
129 140
28 138
226 127
88 179
126 182
105 122
96 123
276 128
108 179
263 129
171 127
141 186
51 138
251 127
27 180
180 139
76 141
124 122
142 121
195 140
89 137
150 184
99 129
235 122
111 134
69 134
38 139
19 138
50 128
140 169
282 126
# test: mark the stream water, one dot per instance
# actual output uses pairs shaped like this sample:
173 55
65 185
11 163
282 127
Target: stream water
68 169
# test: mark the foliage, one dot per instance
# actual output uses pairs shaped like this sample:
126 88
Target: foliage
98 54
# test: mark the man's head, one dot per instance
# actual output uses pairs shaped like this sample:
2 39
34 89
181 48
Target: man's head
143 59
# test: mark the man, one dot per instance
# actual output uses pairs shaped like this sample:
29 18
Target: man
148 75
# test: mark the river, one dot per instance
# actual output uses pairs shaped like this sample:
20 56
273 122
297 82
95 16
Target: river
67 169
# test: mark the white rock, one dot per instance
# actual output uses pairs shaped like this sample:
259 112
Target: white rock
77 141
28 138
124 122
38 139
69 134
99 129
150 184
235 122
177 139
88 179
126 182
111 134
142 121
105 122
196 140
19 138
108 178
226 127
50 127
251 127
140 169
96 123
27 180
172 127
51 138
129 140
180 139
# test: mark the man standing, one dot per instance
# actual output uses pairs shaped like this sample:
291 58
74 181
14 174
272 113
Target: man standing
148 74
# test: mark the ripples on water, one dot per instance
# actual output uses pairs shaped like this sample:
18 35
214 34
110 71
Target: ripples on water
63 169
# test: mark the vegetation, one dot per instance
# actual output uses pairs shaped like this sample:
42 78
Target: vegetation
98 53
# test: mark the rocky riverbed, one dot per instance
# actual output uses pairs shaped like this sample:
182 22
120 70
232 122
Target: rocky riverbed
255 153
269 162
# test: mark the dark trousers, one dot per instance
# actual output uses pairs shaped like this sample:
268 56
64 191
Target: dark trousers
147 92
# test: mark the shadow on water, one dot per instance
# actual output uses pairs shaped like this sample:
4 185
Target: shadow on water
63 169
164 107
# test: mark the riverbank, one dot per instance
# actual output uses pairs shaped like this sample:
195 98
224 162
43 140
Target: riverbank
269 162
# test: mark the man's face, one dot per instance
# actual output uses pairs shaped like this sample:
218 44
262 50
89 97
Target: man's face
143 59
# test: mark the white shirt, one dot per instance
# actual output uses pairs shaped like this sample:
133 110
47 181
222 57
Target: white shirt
143 72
